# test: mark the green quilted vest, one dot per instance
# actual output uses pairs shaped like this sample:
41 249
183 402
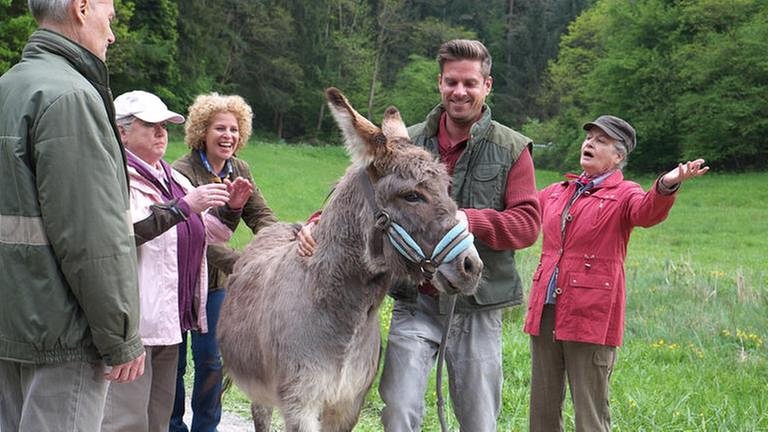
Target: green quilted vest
479 181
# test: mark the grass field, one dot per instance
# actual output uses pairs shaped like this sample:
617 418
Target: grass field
694 357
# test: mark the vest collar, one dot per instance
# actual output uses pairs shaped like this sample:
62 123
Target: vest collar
479 128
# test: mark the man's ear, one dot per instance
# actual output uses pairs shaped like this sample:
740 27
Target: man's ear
79 10
488 84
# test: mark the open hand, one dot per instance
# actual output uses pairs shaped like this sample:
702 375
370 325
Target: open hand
684 171
239 191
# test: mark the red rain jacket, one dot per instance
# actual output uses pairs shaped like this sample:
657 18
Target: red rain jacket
591 297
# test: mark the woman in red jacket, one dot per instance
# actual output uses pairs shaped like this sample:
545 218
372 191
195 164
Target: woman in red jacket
576 306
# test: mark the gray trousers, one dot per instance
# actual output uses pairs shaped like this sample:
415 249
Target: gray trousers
473 359
588 368
146 403
62 397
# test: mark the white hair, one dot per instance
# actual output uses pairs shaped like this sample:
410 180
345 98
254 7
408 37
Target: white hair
621 149
49 10
125 122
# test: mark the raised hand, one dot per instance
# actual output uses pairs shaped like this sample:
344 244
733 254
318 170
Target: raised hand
685 171
239 192
209 195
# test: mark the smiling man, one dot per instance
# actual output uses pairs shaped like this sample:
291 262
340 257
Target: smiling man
494 186
70 310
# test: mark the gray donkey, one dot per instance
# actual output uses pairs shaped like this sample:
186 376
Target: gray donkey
302 333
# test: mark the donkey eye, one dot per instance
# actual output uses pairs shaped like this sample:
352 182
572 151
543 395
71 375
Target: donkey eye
413 197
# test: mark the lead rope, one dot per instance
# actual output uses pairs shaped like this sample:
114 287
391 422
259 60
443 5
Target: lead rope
440 360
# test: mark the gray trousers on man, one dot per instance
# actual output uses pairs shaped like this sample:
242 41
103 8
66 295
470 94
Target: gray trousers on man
146 403
61 397
588 368
473 358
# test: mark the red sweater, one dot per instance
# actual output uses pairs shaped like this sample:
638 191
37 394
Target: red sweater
517 226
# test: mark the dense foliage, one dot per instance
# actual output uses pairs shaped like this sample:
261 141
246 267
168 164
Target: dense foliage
691 75
281 54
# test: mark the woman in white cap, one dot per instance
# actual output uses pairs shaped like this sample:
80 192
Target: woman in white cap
172 224
576 305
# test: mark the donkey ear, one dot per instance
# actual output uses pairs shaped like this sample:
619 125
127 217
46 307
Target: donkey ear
364 141
393 126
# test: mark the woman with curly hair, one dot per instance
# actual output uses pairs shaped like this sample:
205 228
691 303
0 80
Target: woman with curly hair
217 127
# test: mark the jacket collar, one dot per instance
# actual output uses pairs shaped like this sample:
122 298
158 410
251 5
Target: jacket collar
612 180
84 61
479 128
92 68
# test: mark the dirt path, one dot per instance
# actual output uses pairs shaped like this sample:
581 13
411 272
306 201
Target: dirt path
230 422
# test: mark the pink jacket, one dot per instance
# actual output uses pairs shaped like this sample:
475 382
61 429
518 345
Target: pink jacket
591 300
158 267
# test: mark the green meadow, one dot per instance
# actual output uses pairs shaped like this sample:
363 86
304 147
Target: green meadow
694 357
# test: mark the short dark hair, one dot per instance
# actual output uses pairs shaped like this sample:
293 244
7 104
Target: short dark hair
465 49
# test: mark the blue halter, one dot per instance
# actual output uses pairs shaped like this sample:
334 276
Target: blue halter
454 242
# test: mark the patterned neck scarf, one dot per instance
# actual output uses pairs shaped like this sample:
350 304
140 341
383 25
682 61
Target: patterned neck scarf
217 177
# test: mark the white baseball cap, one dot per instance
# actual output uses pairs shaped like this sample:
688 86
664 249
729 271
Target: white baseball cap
145 106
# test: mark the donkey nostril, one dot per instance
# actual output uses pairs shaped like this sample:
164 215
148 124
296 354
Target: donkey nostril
468 265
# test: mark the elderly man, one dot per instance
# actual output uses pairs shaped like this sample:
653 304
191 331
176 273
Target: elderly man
70 309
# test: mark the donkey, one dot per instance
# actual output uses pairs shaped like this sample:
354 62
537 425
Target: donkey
302 333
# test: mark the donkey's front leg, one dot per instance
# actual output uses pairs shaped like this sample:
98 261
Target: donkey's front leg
262 417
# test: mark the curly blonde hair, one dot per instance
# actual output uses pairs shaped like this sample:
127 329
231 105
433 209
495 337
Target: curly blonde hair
205 107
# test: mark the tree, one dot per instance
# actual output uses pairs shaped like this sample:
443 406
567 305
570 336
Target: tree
15 27
723 70
145 54
689 75
415 90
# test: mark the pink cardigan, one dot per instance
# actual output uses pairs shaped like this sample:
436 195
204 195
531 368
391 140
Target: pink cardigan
158 267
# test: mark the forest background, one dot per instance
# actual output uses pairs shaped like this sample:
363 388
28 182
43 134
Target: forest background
690 75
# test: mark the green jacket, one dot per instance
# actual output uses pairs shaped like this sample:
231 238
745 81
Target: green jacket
256 213
479 181
68 281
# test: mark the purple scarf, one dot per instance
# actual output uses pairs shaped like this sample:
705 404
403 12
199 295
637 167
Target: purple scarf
190 243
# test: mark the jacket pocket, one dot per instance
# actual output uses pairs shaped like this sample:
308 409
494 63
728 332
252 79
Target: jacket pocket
484 185
590 297
591 281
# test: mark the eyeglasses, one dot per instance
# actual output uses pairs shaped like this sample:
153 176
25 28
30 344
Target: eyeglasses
162 125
